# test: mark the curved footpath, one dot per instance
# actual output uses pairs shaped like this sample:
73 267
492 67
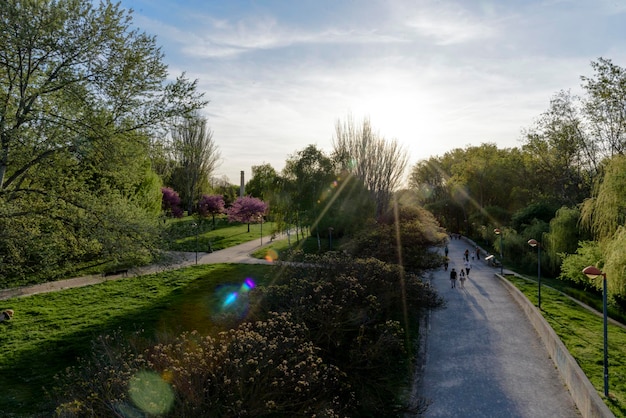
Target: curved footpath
483 358
239 254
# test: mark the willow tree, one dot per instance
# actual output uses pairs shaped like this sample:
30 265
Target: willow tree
81 93
605 215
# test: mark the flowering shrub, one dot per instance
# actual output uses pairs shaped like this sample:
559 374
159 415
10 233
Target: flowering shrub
261 368
331 337
355 311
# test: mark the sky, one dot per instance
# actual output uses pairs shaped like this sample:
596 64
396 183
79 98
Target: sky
432 75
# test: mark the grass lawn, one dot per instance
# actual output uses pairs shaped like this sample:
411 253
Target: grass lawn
189 234
581 332
50 330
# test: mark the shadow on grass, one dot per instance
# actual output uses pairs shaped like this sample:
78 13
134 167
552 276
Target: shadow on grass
193 305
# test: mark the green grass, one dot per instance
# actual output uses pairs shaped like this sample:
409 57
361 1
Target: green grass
49 331
181 234
282 250
581 332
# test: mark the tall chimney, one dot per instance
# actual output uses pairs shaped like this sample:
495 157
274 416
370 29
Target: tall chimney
242 189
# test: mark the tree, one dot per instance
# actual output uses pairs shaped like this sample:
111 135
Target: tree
307 175
196 157
171 202
264 181
557 152
605 108
247 210
379 163
211 205
81 93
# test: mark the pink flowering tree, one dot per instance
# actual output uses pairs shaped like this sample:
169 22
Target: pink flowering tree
171 202
211 205
247 210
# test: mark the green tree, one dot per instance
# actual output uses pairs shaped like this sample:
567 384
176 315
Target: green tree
556 153
264 181
605 110
307 174
81 92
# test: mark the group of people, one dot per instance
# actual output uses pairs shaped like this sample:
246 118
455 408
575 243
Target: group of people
462 274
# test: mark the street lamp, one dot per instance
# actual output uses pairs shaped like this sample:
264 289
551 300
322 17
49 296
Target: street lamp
261 219
195 225
534 243
593 273
498 232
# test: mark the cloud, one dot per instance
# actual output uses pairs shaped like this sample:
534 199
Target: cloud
449 23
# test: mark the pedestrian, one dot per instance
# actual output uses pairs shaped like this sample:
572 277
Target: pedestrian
477 253
445 250
446 261
468 267
453 278
462 278
466 254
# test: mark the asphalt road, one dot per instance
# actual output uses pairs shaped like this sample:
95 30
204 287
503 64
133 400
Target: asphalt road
482 357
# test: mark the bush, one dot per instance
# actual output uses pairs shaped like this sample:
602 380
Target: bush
263 368
355 311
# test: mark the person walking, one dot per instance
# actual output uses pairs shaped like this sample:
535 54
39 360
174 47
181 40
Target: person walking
468 266
445 250
462 278
446 261
466 254
477 253
453 278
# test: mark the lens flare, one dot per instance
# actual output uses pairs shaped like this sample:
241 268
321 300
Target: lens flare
231 298
271 256
150 393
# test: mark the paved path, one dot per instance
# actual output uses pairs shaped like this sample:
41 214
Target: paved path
483 358
239 254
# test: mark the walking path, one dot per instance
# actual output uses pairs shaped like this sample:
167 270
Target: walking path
239 254
482 357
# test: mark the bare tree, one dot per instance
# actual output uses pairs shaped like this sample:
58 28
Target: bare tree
196 155
379 163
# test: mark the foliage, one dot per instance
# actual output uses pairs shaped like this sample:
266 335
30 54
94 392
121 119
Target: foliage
247 210
606 209
171 202
401 237
211 205
604 106
540 211
260 368
82 92
195 155
589 253
356 313
564 235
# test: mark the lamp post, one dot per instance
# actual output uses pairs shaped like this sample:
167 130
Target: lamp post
195 225
534 243
498 232
261 218
330 238
592 273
